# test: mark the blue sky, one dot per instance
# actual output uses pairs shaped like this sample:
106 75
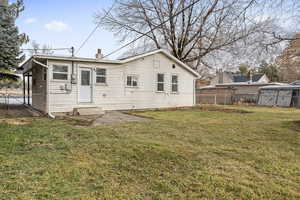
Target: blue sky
65 23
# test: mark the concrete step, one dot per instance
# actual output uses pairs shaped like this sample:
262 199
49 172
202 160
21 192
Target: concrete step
86 111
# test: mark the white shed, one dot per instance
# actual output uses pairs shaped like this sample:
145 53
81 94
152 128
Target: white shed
151 80
285 95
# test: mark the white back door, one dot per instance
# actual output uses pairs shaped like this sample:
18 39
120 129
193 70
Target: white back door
85 85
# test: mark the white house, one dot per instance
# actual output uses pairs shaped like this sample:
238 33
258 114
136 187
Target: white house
151 80
224 77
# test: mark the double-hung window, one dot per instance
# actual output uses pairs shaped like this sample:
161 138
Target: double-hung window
160 82
100 76
132 81
60 72
174 83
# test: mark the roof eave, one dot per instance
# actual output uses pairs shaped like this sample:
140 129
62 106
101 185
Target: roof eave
168 55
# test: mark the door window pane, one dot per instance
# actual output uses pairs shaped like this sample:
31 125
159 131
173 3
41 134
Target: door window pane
85 78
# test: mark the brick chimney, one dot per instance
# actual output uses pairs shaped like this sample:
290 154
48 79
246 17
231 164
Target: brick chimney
250 76
99 54
220 76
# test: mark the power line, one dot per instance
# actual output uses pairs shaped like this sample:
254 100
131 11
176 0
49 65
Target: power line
94 30
157 26
50 49
56 49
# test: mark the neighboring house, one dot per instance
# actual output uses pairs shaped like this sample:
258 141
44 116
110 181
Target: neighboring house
151 80
231 77
201 83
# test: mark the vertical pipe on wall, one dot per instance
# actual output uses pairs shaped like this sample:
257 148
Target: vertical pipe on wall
28 90
24 89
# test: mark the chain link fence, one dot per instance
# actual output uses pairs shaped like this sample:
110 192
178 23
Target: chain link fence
226 99
12 99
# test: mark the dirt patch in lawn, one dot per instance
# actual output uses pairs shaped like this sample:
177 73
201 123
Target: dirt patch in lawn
115 117
202 108
226 110
297 123
109 118
79 121
17 121
14 111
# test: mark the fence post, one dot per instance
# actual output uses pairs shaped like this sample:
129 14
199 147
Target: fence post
215 99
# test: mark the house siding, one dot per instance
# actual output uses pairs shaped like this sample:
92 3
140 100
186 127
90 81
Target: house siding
115 95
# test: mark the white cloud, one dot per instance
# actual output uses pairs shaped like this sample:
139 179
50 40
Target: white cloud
30 21
57 26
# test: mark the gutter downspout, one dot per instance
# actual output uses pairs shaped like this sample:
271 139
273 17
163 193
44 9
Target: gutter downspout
47 93
194 92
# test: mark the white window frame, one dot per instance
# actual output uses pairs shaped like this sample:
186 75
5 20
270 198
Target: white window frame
67 73
157 82
174 92
101 76
133 76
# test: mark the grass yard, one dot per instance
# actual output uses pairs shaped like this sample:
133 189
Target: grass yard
184 154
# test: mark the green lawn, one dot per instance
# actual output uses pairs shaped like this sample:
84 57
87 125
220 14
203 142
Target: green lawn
191 154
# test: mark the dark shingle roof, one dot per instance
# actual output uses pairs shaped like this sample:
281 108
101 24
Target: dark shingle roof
246 78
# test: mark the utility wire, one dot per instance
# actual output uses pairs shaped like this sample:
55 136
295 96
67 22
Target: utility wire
157 26
97 26
50 49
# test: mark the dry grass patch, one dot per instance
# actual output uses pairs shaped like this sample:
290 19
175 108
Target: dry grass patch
17 121
182 154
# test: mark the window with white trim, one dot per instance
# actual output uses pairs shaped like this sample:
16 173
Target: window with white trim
132 81
160 82
101 75
174 83
60 72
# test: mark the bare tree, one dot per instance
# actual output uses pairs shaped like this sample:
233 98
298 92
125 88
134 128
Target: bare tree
289 61
37 49
207 29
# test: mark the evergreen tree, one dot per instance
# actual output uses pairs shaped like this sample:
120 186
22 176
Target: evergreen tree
10 39
270 69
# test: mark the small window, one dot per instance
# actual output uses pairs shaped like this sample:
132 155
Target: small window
132 81
60 72
160 82
174 83
44 74
101 76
